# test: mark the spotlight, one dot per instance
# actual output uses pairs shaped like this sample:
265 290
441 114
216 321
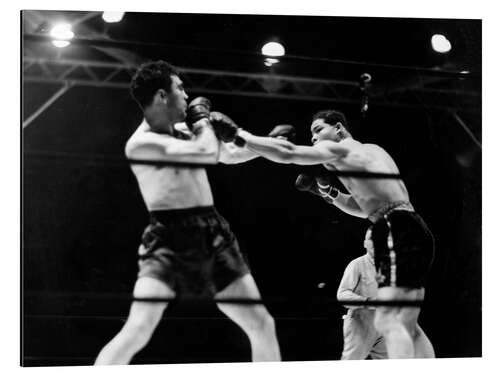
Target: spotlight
61 33
111 17
273 49
440 43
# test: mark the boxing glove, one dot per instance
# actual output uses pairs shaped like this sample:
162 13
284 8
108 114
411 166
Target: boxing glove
305 182
283 131
225 129
198 109
319 185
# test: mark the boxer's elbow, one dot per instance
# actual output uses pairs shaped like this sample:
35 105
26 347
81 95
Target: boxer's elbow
339 296
135 150
343 294
354 211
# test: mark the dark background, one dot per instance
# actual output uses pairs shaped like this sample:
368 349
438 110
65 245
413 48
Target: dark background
82 221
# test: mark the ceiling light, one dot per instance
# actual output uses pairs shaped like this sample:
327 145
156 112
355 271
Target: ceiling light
112 17
440 43
62 31
273 49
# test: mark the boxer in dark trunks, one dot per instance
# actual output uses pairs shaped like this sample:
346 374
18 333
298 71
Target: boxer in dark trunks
403 250
188 248
404 246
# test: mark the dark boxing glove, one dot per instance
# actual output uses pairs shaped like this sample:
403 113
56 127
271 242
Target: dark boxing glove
325 187
319 185
198 109
283 131
225 128
304 182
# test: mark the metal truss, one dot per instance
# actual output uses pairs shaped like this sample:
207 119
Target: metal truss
201 81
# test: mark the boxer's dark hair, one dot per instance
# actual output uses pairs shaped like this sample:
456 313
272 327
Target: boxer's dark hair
331 117
149 78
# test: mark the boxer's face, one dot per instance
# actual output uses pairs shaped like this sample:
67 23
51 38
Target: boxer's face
176 99
321 130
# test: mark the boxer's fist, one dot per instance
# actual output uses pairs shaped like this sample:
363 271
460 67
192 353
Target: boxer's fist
305 182
224 127
325 187
283 131
198 109
319 185
323 182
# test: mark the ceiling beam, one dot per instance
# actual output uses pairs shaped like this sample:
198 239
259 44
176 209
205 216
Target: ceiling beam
118 75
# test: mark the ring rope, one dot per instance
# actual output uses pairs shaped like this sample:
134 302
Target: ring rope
242 301
112 160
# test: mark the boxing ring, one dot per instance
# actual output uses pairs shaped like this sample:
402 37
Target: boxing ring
80 197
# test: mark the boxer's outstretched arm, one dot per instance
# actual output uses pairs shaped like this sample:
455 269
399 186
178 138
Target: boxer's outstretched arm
282 151
229 152
232 154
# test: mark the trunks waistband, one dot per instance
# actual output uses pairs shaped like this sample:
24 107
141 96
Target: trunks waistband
389 207
165 215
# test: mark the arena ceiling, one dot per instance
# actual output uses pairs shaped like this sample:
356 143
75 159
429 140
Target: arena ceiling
325 56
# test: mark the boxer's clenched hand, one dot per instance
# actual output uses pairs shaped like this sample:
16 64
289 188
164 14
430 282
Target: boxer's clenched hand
198 109
225 128
319 185
283 131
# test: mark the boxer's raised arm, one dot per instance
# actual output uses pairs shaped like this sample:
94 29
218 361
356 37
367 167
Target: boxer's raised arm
202 148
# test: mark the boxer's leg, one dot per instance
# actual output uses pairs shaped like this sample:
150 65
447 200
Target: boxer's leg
255 320
140 325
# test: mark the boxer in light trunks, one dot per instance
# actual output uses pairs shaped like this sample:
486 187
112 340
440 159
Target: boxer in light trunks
404 246
188 249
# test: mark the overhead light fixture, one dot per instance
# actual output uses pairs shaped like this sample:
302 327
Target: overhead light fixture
273 49
61 33
112 17
440 44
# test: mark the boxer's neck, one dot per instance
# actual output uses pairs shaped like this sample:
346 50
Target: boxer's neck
159 120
